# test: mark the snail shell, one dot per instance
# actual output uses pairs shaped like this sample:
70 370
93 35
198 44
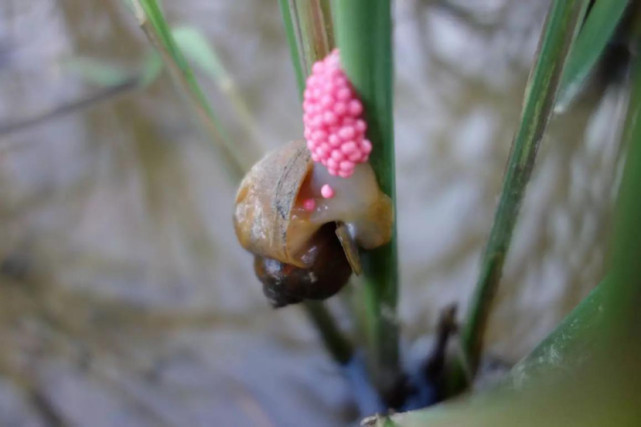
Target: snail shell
266 201
298 254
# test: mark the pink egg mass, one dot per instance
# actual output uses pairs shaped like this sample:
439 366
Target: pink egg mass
332 118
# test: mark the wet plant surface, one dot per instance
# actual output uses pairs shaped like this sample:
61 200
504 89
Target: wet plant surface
124 297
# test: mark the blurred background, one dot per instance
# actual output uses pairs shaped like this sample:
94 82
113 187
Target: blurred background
125 299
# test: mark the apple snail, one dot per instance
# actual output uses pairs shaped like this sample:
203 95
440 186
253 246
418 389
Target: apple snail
306 207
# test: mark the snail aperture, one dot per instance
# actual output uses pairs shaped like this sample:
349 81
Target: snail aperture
285 283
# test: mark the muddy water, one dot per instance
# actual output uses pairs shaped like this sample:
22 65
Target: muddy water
125 300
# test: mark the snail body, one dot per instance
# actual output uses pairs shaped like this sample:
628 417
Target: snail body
297 252
284 283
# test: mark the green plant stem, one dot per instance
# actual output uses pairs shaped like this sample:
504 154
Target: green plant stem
290 33
364 37
308 25
238 158
559 31
334 340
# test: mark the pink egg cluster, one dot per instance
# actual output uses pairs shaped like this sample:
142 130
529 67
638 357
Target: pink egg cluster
332 117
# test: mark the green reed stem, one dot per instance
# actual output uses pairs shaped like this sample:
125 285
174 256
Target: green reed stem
292 41
336 343
310 33
559 31
308 27
365 41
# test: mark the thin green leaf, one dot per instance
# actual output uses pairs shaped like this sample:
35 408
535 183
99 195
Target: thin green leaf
309 30
238 157
193 43
602 20
293 45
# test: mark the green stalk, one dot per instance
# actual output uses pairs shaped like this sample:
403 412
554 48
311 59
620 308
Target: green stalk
308 28
337 345
292 41
560 29
365 41
602 20
238 158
